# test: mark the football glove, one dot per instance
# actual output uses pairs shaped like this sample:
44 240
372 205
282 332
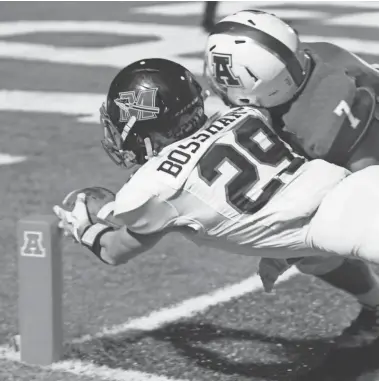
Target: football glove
77 224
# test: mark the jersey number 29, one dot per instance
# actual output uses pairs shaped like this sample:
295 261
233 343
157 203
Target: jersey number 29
248 174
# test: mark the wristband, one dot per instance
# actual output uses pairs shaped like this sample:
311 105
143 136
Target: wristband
91 238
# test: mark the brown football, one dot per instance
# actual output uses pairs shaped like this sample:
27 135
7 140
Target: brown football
99 203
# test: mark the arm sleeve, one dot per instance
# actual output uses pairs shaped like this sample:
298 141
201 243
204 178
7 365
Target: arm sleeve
143 211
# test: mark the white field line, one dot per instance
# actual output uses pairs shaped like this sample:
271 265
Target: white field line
174 41
85 106
228 7
185 309
85 368
6 159
154 320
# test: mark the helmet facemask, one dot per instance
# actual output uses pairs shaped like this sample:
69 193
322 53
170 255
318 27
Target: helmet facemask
116 144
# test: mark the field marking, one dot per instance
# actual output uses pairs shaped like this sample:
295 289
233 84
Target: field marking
228 7
365 19
174 42
75 104
355 45
85 368
6 159
110 57
154 320
85 106
186 308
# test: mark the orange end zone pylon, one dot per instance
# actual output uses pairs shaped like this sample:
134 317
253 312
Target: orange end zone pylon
40 290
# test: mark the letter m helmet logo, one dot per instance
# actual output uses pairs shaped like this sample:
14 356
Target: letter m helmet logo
222 69
141 105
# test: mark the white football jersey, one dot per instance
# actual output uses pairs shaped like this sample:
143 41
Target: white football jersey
234 184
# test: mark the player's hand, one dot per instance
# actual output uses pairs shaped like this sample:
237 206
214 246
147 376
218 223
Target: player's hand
76 222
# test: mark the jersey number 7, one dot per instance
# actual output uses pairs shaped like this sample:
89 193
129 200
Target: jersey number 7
344 109
248 172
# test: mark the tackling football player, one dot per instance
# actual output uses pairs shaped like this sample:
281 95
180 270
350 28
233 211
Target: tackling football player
321 97
228 182
322 100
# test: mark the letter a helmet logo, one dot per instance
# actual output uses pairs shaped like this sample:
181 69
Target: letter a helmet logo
222 69
141 105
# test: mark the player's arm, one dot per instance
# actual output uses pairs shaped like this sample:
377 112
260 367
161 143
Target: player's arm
133 225
116 247
113 246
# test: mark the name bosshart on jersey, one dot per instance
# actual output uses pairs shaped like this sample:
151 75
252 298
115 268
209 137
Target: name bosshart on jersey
178 157
237 155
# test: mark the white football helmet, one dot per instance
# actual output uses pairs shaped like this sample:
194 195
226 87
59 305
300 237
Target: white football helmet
254 58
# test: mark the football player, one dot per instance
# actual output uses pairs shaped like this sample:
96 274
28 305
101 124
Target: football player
228 182
322 99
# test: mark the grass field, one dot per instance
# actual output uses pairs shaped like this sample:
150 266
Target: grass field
56 61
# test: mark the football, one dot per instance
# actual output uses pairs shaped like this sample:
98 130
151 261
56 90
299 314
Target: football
99 202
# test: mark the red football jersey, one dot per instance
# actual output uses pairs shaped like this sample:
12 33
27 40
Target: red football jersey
336 105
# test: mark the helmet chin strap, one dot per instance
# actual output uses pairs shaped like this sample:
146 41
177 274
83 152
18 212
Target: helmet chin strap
149 149
128 126
205 94
308 71
148 145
